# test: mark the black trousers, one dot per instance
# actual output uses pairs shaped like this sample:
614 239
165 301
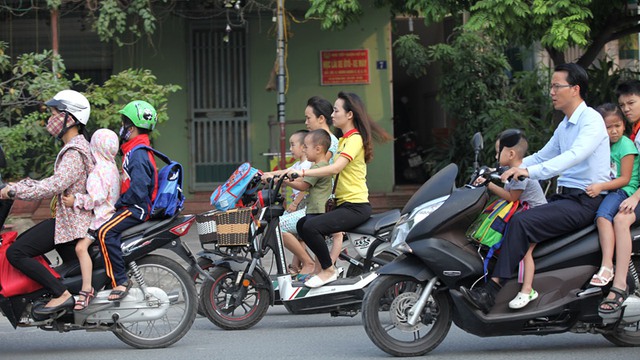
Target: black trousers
313 230
562 215
38 241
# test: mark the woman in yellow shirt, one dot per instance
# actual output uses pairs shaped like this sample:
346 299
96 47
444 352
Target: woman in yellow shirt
355 149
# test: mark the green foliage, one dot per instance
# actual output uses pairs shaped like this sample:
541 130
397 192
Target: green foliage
116 20
128 85
479 94
29 148
413 56
604 76
334 14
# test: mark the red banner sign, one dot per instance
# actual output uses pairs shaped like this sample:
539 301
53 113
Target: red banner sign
344 67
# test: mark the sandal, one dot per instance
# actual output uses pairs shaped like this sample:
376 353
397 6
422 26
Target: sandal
292 270
599 279
614 304
83 302
120 294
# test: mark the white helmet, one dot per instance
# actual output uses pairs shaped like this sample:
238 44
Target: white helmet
72 102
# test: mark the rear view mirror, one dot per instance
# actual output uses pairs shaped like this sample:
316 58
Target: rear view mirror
477 141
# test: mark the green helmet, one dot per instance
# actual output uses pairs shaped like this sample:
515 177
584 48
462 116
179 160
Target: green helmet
141 114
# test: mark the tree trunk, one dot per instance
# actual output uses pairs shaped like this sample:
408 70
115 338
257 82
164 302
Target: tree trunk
556 56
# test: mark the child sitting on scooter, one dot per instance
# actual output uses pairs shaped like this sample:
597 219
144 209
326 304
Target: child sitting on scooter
296 209
624 183
316 145
138 190
103 190
511 148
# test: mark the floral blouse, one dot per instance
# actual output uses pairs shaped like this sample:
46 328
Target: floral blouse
73 164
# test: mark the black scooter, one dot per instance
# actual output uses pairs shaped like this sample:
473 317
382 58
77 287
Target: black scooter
409 308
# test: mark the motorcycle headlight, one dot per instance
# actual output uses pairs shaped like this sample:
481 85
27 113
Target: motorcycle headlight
408 221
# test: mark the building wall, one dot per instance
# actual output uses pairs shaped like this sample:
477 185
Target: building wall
169 61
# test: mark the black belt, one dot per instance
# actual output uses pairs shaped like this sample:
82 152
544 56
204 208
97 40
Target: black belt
569 191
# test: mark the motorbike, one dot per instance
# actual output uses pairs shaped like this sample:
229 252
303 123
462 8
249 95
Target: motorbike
409 308
158 310
414 154
242 289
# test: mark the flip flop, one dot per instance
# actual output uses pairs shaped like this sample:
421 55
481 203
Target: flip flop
120 294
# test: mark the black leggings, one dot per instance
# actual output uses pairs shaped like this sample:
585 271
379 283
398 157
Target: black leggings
313 230
38 240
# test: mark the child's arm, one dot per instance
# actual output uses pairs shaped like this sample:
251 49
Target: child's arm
626 168
299 184
511 195
294 204
96 195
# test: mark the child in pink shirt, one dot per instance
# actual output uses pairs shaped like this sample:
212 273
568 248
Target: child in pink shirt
103 190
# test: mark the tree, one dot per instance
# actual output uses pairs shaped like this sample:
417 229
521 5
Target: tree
29 81
557 24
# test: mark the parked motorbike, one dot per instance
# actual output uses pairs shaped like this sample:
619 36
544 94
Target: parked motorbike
409 308
414 155
159 309
242 289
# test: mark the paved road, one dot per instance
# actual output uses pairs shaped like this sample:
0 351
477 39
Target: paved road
281 335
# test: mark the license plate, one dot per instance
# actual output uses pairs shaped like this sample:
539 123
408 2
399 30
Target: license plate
415 161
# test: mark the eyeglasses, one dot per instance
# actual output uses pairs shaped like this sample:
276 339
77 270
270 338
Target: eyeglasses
555 87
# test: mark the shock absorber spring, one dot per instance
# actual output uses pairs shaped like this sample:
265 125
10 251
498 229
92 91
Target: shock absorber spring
135 270
634 274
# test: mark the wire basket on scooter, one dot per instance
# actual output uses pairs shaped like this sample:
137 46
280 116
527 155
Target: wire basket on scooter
224 228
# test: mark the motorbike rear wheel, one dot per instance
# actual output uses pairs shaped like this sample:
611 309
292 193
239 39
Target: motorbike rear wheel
168 275
385 311
251 308
628 335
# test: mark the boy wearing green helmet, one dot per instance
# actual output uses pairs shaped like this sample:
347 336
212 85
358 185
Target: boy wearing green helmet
137 191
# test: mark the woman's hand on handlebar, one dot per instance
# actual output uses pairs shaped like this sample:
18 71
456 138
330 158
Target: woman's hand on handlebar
514 172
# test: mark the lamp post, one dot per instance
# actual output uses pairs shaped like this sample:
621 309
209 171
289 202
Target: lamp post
280 84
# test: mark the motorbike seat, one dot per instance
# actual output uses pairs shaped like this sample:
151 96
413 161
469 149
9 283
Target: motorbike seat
377 222
144 227
552 245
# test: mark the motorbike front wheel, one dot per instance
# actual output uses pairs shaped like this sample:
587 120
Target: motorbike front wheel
385 311
174 280
231 305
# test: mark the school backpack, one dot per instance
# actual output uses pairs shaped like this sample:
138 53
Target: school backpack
491 225
241 182
169 198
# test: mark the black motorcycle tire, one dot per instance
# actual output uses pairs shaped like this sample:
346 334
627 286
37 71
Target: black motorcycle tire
158 270
627 335
378 260
255 304
206 265
377 299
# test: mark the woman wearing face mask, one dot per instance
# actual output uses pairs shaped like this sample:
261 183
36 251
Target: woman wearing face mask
69 114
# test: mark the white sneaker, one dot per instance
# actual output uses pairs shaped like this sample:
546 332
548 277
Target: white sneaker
521 300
